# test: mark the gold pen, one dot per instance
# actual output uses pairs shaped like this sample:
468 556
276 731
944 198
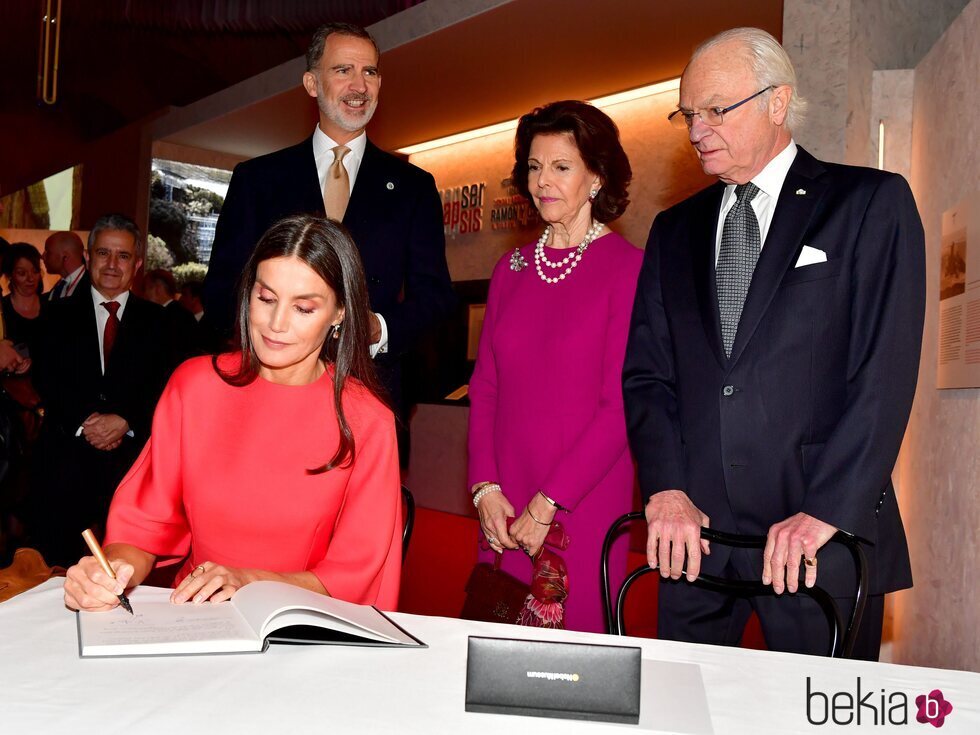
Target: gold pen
97 552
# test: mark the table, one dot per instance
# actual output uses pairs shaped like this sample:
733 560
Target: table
46 688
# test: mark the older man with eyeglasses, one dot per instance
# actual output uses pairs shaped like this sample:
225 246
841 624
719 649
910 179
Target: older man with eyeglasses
772 361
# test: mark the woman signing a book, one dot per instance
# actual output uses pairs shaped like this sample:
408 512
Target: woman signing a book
274 462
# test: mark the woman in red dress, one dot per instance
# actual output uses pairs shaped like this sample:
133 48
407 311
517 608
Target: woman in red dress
276 462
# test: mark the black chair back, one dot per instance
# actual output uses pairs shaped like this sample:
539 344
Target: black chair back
841 639
408 507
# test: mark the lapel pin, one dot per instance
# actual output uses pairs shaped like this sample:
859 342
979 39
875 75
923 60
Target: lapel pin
800 192
390 186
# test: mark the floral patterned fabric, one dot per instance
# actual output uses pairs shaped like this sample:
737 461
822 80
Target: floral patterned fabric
545 604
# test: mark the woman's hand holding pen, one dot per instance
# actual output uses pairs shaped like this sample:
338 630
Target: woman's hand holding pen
88 587
211 582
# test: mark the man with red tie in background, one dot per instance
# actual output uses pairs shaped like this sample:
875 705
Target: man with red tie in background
101 362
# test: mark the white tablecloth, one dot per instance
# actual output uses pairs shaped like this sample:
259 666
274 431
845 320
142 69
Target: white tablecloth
46 688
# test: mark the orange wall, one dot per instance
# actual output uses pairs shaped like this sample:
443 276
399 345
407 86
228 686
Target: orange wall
665 171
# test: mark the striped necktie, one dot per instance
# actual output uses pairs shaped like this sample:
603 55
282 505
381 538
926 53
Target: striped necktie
741 244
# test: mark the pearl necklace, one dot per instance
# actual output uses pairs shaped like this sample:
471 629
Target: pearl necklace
571 260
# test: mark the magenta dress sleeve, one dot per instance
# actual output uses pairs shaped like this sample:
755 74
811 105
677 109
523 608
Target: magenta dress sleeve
363 560
596 449
482 465
147 509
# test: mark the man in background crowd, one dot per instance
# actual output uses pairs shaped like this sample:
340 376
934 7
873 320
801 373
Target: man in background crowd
160 287
190 299
64 256
101 362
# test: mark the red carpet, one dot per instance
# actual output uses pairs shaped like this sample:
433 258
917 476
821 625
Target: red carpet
440 557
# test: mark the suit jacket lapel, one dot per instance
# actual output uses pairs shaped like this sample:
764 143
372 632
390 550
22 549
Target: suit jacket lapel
88 337
783 242
703 244
364 185
309 178
125 336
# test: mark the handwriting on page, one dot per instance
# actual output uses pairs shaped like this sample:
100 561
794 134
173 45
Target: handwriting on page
164 622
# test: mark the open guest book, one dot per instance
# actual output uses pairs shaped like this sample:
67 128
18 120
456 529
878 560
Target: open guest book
259 613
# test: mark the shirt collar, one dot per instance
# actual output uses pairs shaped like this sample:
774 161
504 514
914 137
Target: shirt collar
98 298
323 144
74 275
770 179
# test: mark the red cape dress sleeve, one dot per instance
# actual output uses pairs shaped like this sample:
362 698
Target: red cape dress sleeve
147 509
363 560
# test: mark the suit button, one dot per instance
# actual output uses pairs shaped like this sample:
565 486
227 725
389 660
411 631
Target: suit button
102 397
728 390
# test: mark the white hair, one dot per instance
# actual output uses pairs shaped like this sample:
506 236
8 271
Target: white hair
769 62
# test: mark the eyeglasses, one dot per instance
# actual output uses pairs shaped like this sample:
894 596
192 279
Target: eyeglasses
713 116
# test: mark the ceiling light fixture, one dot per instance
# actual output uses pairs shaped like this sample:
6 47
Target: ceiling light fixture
502 127
48 52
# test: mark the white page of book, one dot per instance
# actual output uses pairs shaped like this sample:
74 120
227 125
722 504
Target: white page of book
159 626
286 618
266 606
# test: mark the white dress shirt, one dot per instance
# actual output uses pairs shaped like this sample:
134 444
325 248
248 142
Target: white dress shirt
102 317
770 182
71 281
323 146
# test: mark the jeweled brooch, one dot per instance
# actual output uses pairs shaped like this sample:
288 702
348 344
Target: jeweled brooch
517 262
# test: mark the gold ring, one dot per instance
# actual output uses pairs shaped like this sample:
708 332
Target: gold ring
199 569
811 563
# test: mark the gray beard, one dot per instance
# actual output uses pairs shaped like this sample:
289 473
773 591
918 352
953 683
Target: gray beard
337 118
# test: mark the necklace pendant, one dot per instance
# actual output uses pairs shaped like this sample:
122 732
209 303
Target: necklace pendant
517 262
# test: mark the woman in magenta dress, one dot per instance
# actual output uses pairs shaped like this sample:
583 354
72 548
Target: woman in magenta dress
547 435
277 462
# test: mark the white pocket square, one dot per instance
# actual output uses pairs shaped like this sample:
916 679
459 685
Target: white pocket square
809 256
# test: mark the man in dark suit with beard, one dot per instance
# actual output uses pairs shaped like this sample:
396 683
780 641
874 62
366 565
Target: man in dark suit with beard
772 361
100 364
390 207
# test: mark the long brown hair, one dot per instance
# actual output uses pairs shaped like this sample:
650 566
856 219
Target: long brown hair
325 247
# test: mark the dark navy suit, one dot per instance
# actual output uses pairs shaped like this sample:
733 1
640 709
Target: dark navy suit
394 216
809 412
